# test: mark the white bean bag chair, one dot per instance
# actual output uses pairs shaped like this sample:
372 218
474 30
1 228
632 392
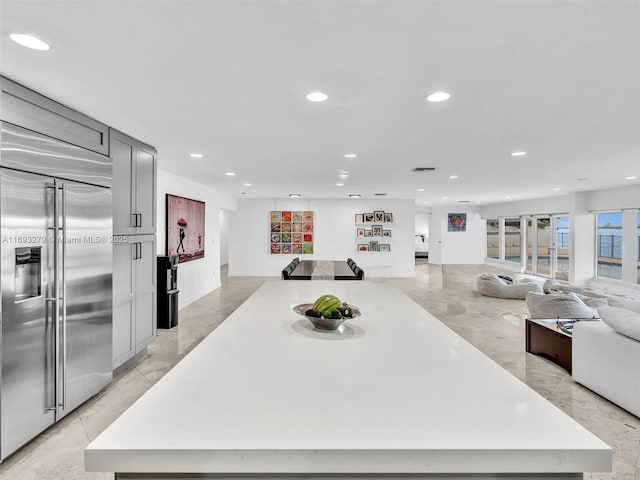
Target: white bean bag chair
490 285
558 305
594 302
553 285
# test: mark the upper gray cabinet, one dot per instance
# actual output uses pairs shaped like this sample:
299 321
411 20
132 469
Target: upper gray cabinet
29 109
134 185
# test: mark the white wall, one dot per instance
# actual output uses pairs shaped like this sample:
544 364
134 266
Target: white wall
334 235
615 198
548 205
457 247
198 277
224 236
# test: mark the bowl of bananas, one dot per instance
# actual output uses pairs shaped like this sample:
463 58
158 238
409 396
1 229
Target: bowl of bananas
327 312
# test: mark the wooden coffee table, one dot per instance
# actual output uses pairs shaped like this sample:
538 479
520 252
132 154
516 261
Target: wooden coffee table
545 338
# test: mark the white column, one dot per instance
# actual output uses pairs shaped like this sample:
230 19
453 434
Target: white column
582 240
629 246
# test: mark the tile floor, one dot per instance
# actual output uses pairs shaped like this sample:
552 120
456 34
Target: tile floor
494 326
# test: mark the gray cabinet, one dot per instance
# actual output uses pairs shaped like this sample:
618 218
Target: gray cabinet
134 185
29 109
134 296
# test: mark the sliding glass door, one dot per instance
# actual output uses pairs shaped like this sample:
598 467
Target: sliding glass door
547 238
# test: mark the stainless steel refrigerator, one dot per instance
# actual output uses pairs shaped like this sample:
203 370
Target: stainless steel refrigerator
56 268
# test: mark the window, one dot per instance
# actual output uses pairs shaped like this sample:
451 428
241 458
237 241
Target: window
609 245
493 238
512 240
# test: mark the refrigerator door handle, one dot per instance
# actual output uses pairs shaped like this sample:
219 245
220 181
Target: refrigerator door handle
51 305
63 292
134 219
56 294
52 299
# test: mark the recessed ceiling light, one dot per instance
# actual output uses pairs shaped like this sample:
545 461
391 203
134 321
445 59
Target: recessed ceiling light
339 184
556 189
453 177
344 174
444 198
632 177
317 96
421 189
295 195
246 184
195 155
439 97
229 174
520 153
29 41
354 195
350 155
507 196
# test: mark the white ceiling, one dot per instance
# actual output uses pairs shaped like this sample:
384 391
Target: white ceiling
559 79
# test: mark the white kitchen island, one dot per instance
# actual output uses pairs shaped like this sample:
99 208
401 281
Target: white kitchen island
394 394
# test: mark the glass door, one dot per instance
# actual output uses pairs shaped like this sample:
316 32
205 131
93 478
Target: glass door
530 248
560 252
544 246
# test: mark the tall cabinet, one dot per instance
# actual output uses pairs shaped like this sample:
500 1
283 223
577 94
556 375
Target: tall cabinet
134 252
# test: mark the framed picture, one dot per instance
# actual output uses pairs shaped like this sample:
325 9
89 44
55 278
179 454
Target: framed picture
291 232
367 233
368 217
359 232
373 246
363 247
378 216
388 217
384 247
386 233
457 222
185 228
376 230
359 218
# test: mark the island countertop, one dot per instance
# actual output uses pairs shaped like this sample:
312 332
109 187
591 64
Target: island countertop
395 392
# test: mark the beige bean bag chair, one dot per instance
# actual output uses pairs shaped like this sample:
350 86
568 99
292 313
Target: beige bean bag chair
558 305
490 285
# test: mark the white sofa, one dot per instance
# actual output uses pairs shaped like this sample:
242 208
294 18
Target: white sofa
607 362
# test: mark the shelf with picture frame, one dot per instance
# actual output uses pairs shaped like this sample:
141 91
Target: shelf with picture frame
376 231
377 216
373 246
373 234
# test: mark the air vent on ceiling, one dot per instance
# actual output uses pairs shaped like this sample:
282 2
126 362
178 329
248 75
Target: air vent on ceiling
379 194
463 201
423 169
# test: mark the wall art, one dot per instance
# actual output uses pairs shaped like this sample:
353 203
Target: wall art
291 232
185 228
